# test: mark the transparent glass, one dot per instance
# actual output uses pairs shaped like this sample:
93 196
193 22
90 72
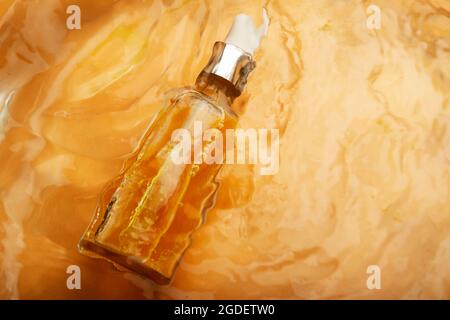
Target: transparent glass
145 217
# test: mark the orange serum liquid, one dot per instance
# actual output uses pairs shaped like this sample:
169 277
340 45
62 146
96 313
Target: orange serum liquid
146 217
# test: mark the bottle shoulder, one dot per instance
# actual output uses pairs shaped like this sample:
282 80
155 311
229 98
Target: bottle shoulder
196 98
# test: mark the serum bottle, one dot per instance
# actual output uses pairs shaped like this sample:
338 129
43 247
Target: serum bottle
146 216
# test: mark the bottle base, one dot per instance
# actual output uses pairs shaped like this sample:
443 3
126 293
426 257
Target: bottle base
121 262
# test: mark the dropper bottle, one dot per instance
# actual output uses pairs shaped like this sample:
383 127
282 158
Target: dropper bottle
145 217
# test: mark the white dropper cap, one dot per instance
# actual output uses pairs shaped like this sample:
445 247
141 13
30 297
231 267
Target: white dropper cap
245 35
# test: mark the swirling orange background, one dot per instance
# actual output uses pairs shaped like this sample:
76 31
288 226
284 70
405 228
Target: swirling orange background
364 120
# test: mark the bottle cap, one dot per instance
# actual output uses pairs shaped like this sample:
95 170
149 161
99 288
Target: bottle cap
232 59
245 35
230 63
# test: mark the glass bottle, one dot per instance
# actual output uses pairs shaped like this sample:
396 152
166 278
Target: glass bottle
145 217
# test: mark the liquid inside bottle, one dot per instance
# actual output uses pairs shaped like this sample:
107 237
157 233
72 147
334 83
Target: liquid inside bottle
146 217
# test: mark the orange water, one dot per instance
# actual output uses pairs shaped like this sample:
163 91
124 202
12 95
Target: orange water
364 122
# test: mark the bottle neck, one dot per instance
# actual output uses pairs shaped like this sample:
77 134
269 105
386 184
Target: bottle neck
221 91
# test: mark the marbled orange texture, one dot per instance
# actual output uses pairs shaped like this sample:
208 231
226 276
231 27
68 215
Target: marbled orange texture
364 120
